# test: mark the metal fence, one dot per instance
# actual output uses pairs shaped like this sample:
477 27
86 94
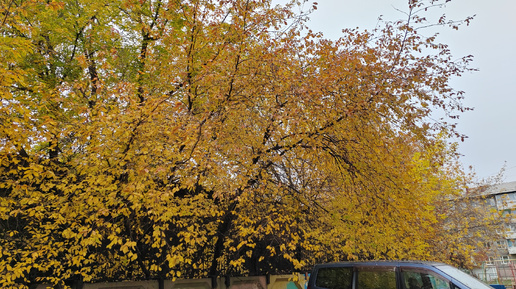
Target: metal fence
499 271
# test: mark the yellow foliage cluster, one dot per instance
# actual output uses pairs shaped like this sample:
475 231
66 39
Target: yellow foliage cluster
163 139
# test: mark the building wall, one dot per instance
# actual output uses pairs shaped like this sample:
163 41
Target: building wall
503 197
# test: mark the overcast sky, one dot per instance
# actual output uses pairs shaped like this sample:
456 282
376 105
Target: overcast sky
491 38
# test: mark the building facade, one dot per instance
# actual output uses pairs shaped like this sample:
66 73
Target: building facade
500 262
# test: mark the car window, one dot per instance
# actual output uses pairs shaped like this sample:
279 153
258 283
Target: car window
334 277
414 278
462 277
376 278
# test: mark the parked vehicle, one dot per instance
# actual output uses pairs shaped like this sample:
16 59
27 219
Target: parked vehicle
391 275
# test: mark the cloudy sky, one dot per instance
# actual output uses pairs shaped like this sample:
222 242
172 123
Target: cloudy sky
491 38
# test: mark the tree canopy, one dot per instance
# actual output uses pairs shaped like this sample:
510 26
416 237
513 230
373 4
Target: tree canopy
165 138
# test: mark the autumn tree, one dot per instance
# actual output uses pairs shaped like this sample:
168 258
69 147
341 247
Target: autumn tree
475 214
163 139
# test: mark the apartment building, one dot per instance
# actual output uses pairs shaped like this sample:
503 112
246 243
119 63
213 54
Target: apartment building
500 264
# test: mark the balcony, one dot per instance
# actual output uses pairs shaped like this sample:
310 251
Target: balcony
510 235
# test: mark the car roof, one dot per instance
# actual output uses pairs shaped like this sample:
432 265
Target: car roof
382 263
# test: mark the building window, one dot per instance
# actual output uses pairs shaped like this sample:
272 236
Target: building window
511 243
511 228
508 213
501 244
505 259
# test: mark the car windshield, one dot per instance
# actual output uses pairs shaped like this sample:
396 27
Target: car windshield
463 277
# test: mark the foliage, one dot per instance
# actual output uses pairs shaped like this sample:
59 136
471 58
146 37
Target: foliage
161 139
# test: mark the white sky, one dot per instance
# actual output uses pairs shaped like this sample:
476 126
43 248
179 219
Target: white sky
491 38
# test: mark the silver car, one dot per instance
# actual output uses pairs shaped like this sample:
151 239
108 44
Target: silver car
391 275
